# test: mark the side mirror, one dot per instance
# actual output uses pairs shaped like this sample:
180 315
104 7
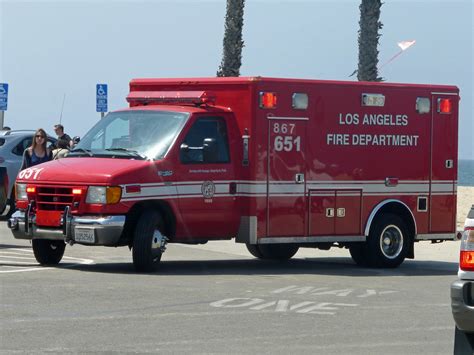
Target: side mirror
209 147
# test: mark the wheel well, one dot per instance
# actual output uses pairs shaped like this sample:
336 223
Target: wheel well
132 218
397 208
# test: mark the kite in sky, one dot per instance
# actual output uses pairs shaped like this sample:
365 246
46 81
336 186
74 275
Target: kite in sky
404 45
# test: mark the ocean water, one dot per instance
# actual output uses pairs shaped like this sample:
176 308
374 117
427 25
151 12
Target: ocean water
466 173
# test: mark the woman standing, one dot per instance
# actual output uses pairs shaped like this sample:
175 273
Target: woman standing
37 153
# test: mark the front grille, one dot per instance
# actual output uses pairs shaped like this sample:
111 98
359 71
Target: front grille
54 198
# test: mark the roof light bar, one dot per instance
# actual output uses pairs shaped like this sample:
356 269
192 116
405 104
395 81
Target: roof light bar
171 97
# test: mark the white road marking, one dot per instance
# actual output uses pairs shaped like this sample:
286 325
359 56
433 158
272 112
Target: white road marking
14 261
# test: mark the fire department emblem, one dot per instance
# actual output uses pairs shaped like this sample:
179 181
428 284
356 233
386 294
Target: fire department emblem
208 189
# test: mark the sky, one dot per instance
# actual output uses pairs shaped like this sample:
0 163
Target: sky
57 51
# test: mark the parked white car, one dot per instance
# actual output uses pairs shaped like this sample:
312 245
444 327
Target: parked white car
462 291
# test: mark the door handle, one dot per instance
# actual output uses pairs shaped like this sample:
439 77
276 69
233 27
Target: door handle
299 178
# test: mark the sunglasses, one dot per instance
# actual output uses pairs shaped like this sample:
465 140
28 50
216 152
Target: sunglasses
38 136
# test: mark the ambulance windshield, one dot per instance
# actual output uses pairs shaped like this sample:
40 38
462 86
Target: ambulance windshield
133 134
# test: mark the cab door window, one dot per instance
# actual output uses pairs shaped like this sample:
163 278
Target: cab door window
206 142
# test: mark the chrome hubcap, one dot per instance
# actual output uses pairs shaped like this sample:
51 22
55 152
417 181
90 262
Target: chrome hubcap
391 241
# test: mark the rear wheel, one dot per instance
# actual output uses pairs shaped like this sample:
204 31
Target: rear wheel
388 242
273 251
48 252
147 241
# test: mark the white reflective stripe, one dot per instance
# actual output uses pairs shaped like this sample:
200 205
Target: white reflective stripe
189 189
247 188
151 191
443 187
322 193
288 118
374 188
286 188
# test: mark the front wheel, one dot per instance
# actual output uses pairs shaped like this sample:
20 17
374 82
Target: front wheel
388 242
148 241
48 252
273 251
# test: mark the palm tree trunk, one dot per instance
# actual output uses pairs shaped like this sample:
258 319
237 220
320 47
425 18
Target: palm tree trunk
368 40
233 43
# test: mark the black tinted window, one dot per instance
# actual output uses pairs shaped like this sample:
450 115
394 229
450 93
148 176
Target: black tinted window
206 142
20 147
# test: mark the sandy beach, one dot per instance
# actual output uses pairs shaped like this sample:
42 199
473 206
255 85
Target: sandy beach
465 200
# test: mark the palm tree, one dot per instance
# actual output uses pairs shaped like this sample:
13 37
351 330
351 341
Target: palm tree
233 43
368 40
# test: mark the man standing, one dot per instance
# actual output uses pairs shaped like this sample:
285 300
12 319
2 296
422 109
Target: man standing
59 130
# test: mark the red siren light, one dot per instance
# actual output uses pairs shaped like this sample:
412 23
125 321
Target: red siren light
268 100
444 105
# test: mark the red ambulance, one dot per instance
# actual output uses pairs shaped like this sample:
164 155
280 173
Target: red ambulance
277 164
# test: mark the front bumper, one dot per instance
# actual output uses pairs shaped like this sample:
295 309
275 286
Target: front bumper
107 230
462 304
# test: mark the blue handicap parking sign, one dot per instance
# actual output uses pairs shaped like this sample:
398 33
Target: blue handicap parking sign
3 97
101 97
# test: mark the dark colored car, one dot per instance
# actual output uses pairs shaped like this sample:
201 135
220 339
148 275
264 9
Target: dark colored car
462 292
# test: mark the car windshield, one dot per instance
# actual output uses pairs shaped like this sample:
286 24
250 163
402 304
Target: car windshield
136 134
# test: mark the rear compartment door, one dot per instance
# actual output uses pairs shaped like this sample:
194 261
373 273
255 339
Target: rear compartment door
443 162
286 201
334 212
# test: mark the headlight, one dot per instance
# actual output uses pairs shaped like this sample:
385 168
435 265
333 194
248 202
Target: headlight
20 191
104 194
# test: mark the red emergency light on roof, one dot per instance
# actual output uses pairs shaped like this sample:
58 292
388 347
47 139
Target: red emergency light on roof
171 97
444 105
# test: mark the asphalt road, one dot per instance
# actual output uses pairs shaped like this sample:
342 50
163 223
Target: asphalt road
217 299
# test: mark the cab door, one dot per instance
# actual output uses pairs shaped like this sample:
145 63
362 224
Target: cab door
286 201
207 178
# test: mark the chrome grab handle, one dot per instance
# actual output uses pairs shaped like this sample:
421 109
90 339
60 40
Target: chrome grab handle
299 178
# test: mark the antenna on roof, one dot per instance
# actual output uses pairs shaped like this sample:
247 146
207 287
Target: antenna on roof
62 107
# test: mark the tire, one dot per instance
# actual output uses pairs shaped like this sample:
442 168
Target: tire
254 250
146 250
359 254
273 251
463 342
388 242
48 252
11 205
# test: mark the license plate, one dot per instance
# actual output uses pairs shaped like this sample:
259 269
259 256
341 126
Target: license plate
84 235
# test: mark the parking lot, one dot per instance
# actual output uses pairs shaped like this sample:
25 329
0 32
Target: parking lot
216 298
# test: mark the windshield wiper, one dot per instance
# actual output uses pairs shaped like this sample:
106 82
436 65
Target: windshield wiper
130 152
87 151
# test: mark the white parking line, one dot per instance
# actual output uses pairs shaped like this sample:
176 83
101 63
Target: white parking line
14 261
